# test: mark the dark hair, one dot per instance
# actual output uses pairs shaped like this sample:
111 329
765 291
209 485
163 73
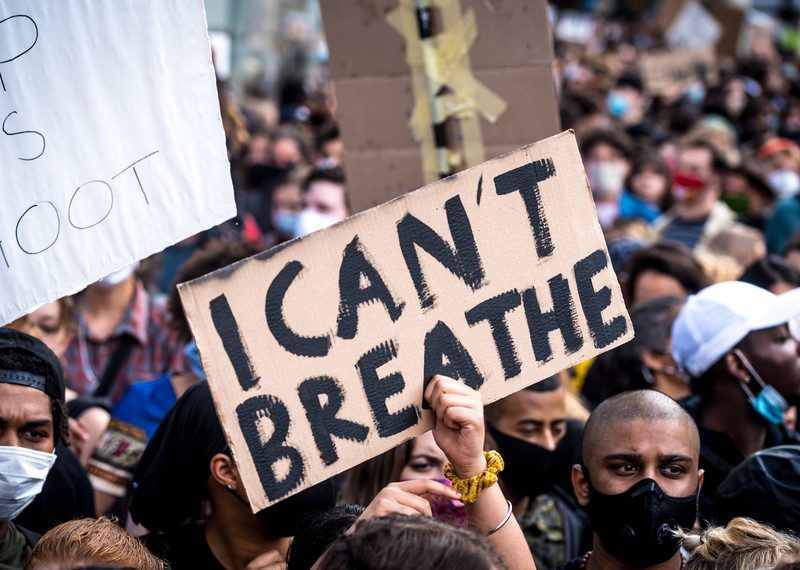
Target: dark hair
653 161
333 174
317 532
214 255
668 258
12 359
400 542
615 139
327 133
769 271
549 384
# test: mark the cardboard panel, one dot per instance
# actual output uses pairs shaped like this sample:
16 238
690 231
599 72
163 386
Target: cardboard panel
511 56
671 70
317 352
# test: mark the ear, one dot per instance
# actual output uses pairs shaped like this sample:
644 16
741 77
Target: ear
650 360
580 485
735 368
224 472
701 474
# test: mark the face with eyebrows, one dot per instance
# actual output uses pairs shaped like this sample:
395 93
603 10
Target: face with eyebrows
26 418
536 417
666 451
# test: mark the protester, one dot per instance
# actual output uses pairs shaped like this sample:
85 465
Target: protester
733 339
647 192
528 428
121 338
743 544
747 192
90 542
764 487
186 462
698 214
32 421
639 480
773 274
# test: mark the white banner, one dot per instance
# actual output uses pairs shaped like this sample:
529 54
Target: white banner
111 142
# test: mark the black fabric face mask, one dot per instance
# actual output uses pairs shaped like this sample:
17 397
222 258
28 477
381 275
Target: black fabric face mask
528 467
636 526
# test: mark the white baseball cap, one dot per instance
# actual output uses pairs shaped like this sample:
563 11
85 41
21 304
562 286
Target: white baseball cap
717 318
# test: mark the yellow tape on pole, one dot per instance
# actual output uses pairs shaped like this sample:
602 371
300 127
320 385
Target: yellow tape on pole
443 60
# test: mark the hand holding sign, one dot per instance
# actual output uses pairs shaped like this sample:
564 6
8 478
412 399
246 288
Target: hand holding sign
459 428
406 498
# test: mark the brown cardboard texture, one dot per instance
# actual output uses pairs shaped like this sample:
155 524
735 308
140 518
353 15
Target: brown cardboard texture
317 351
668 71
504 57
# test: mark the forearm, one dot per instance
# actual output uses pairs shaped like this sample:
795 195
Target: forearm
486 514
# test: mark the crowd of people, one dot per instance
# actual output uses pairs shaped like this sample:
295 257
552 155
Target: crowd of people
676 450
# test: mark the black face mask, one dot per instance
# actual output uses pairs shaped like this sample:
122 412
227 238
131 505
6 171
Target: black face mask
529 467
636 526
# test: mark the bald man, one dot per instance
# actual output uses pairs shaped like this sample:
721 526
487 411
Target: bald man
639 481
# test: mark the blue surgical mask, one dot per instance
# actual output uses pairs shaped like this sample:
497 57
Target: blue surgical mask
696 94
769 404
617 104
192 354
285 222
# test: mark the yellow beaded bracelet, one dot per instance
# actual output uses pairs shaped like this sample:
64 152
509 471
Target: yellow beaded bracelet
472 487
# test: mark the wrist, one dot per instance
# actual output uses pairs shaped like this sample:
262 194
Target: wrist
465 470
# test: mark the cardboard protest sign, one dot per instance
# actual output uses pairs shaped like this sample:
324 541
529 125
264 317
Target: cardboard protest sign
111 146
317 352
489 65
668 71
694 28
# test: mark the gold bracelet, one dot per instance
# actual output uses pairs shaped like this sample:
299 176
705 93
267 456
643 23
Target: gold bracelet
472 487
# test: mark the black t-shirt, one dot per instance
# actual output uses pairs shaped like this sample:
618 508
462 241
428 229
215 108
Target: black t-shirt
183 548
719 455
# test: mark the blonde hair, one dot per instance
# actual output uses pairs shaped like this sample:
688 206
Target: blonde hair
742 545
91 541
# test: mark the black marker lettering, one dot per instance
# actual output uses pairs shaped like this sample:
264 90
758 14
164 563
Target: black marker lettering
525 180
132 167
593 302
57 232
17 133
463 261
494 311
286 337
266 454
94 223
232 341
322 417
379 389
18 18
3 252
356 264
561 317
444 354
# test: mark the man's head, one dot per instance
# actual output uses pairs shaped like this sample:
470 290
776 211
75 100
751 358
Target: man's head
31 393
32 418
527 427
325 197
697 177
640 475
734 337
536 414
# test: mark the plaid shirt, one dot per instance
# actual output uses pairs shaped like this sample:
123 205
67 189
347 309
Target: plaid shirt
157 350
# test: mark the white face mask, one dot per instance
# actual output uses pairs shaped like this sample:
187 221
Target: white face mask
785 182
606 178
22 474
310 221
120 275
